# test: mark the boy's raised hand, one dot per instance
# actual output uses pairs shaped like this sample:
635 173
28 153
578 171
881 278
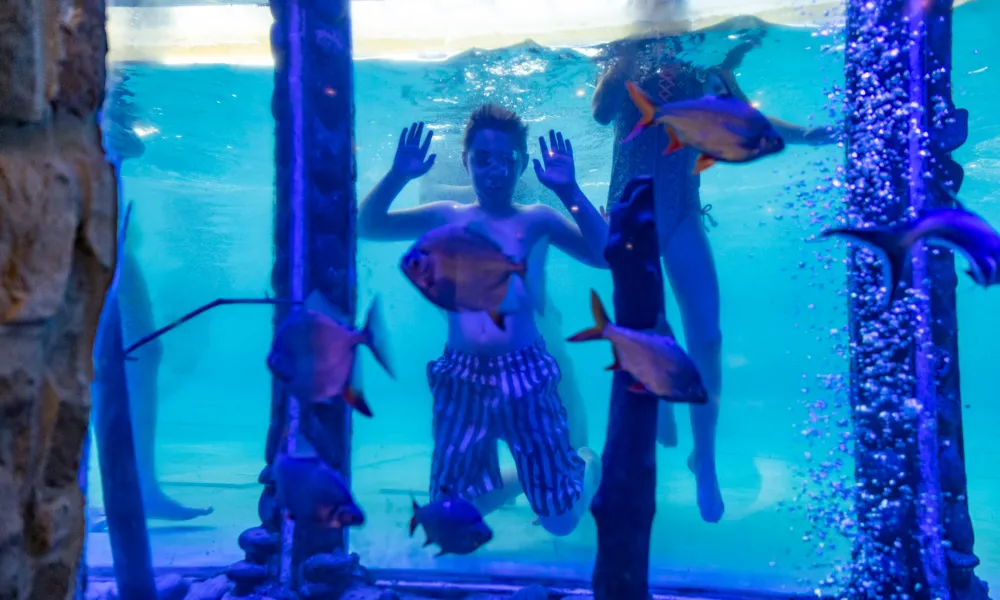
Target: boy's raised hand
411 160
559 173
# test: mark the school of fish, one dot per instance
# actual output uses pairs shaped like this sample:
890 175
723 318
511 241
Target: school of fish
460 268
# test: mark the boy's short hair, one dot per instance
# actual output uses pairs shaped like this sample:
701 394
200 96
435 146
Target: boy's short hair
495 117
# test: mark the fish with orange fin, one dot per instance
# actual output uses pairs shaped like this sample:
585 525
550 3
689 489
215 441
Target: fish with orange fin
657 362
451 522
460 268
313 492
315 355
721 127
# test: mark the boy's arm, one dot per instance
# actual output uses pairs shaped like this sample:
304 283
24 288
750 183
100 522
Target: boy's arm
585 239
377 222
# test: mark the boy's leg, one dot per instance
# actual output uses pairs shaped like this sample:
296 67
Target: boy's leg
550 326
691 269
558 480
465 459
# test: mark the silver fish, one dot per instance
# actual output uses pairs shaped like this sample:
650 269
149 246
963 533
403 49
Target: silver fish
657 362
315 356
451 522
461 269
312 491
721 127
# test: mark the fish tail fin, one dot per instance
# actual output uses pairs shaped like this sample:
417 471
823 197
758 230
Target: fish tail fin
356 400
413 520
645 106
890 243
373 336
601 321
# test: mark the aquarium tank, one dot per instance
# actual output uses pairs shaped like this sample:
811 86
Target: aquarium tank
257 147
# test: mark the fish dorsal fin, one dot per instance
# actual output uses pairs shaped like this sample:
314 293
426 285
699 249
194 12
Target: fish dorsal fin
318 302
478 230
717 86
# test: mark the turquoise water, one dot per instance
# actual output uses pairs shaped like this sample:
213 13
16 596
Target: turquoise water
202 229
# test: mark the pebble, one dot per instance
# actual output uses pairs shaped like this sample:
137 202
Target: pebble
329 568
210 589
532 592
246 576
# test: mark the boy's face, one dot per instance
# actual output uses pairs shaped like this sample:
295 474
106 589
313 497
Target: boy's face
495 164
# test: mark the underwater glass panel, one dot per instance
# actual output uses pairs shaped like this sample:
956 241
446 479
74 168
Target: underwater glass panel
975 83
194 146
781 430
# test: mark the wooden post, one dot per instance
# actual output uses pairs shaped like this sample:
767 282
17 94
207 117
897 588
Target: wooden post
314 225
948 132
625 503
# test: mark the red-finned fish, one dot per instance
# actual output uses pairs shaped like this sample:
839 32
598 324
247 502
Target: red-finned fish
312 491
460 268
451 522
721 127
315 355
957 228
657 362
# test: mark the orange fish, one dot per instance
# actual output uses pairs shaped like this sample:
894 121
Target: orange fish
721 127
461 269
657 362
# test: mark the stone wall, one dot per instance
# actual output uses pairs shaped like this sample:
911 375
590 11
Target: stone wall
58 213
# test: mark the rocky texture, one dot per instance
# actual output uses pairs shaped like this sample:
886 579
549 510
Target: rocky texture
58 213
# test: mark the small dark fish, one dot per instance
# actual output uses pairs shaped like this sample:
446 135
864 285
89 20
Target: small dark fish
461 269
721 127
657 362
957 228
312 491
315 356
451 522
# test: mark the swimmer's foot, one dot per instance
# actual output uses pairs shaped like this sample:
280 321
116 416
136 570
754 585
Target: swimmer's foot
591 477
159 506
709 495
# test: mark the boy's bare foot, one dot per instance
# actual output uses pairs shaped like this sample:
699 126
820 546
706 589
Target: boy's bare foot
709 495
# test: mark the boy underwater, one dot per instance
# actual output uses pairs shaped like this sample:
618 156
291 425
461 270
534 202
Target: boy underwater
494 383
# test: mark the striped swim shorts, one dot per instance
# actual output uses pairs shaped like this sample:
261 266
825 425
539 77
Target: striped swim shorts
479 401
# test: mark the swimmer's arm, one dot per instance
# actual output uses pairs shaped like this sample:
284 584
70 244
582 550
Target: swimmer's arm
791 133
377 222
610 90
585 239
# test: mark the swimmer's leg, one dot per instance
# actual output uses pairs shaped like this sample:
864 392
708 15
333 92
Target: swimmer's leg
691 270
550 326
142 374
559 481
465 459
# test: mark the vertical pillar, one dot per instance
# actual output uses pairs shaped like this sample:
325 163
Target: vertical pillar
898 551
948 131
57 251
625 503
315 244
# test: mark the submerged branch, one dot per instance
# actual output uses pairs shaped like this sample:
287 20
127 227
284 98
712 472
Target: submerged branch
220 302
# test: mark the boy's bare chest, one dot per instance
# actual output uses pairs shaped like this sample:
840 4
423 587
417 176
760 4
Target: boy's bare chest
515 235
